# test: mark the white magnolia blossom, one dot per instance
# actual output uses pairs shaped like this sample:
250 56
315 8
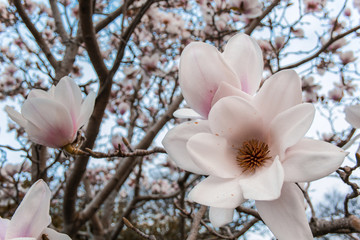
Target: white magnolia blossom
31 218
53 118
251 146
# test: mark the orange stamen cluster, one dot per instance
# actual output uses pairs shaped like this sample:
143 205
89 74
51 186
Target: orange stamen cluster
252 155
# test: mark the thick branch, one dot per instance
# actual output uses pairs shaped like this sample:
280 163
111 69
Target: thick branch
58 22
89 38
40 41
196 223
321 227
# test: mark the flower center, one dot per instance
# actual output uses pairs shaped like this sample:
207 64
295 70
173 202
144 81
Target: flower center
252 155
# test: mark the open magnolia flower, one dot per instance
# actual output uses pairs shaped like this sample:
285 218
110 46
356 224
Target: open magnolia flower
254 148
204 71
53 118
31 218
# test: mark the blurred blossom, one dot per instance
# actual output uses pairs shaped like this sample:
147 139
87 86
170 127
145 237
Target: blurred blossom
314 5
299 32
347 12
31 218
335 45
336 94
53 118
279 42
347 57
249 8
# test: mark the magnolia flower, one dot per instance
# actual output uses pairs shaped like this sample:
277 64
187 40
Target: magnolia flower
250 8
53 118
253 148
31 218
205 73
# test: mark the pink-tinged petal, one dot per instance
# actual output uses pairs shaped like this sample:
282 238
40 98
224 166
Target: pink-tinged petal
213 155
52 234
186 113
235 119
24 238
175 144
244 55
217 192
353 115
87 108
310 160
68 93
38 93
290 126
280 92
16 116
32 215
286 216
202 68
220 216
3 226
53 120
265 184
227 90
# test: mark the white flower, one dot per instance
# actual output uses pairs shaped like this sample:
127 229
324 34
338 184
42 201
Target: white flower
253 147
53 118
31 218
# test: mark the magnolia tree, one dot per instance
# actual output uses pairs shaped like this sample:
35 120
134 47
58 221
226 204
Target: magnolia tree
154 119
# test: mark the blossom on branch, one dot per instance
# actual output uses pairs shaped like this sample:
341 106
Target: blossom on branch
53 118
31 218
253 147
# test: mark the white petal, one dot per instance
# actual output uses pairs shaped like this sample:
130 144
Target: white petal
3 226
87 108
214 155
310 160
265 184
290 126
220 216
202 69
51 118
353 115
175 144
186 113
235 119
227 90
244 55
217 192
32 215
16 116
38 93
286 216
69 94
280 92
53 235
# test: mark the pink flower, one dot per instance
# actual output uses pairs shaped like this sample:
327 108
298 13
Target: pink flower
205 74
255 148
31 218
53 118
250 8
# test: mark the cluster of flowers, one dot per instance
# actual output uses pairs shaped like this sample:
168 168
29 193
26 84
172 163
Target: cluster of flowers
248 142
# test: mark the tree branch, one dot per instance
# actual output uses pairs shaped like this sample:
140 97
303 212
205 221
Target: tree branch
40 41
